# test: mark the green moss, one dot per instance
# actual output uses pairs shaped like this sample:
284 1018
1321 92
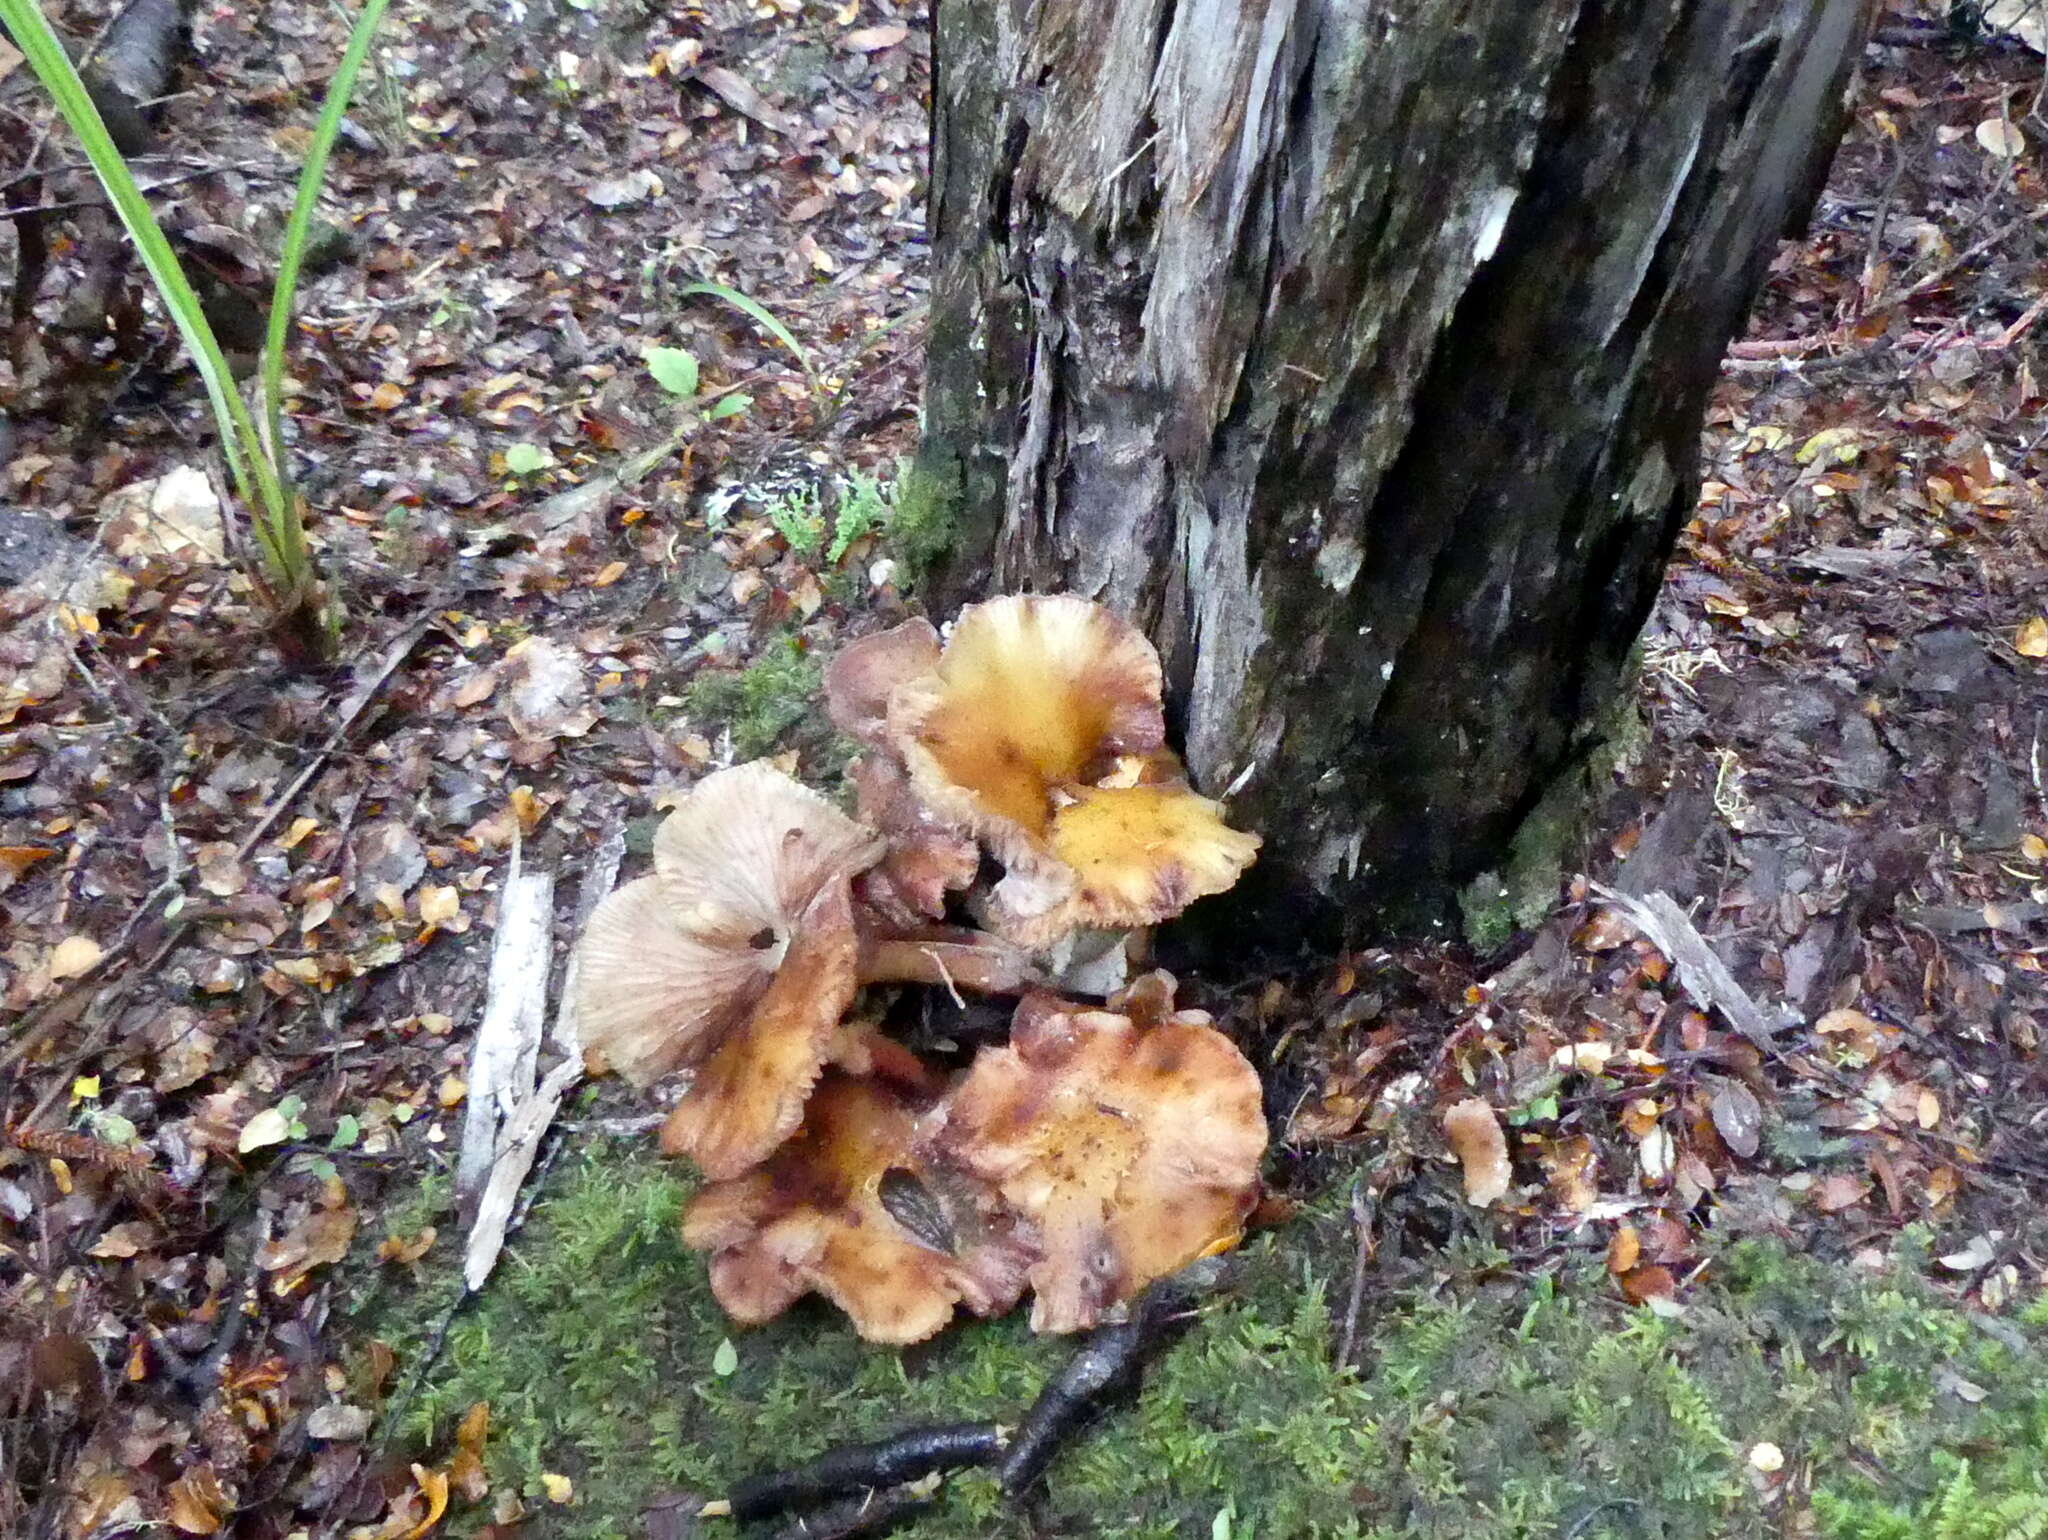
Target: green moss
924 521
1486 1408
761 702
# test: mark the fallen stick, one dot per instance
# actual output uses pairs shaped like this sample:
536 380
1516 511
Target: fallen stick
1109 1363
1701 973
890 1462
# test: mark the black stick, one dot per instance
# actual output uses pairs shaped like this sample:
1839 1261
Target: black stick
1111 1361
865 1467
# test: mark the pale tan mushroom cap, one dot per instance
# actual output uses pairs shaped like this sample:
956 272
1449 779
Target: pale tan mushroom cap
648 995
816 1217
1031 693
670 963
749 848
1131 1150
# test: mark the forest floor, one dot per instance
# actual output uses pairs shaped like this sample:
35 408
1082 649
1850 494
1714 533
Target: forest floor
1771 1260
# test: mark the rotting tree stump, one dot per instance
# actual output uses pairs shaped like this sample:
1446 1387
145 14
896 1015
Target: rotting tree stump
1358 349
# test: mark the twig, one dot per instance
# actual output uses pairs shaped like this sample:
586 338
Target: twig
1701 972
1362 1217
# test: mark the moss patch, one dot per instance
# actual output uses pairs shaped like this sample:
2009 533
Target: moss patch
1488 1408
761 702
924 521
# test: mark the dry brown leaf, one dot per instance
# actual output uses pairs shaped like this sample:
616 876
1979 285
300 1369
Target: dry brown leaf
1476 1139
1643 1284
873 39
1624 1251
1835 1193
195 1501
2032 640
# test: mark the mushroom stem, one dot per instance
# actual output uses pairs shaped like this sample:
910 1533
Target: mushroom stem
985 965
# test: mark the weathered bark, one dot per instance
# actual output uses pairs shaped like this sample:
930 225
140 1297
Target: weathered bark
1358 349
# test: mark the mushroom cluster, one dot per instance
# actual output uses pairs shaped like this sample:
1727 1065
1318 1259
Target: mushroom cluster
1019 821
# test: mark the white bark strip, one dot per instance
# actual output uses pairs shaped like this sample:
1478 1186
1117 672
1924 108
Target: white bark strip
501 1065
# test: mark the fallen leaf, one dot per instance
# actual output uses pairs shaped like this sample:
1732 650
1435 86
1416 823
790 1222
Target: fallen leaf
1832 1194
395 1248
2032 640
125 1239
558 1488
74 955
873 39
1482 1149
338 1420
1643 1284
1978 1253
439 905
1624 1251
195 1501
434 1484
1738 1117
2002 138
268 1127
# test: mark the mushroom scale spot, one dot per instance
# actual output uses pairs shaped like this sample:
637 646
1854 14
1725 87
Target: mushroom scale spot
814 1217
1133 1150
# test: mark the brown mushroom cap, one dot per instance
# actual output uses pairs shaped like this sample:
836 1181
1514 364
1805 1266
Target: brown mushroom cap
738 955
748 1095
864 675
927 858
847 1209
1132 1150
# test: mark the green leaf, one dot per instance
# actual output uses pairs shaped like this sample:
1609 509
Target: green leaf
291 254
347 1130
526 459
759 312
726 1359
674 370
728 406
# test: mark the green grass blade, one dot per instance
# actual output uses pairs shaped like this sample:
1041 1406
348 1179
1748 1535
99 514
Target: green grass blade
298 229
255 478
758 312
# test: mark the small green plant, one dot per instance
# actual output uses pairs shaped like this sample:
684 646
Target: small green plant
675 371
527 459
863 508
285 573
755 311
800 520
